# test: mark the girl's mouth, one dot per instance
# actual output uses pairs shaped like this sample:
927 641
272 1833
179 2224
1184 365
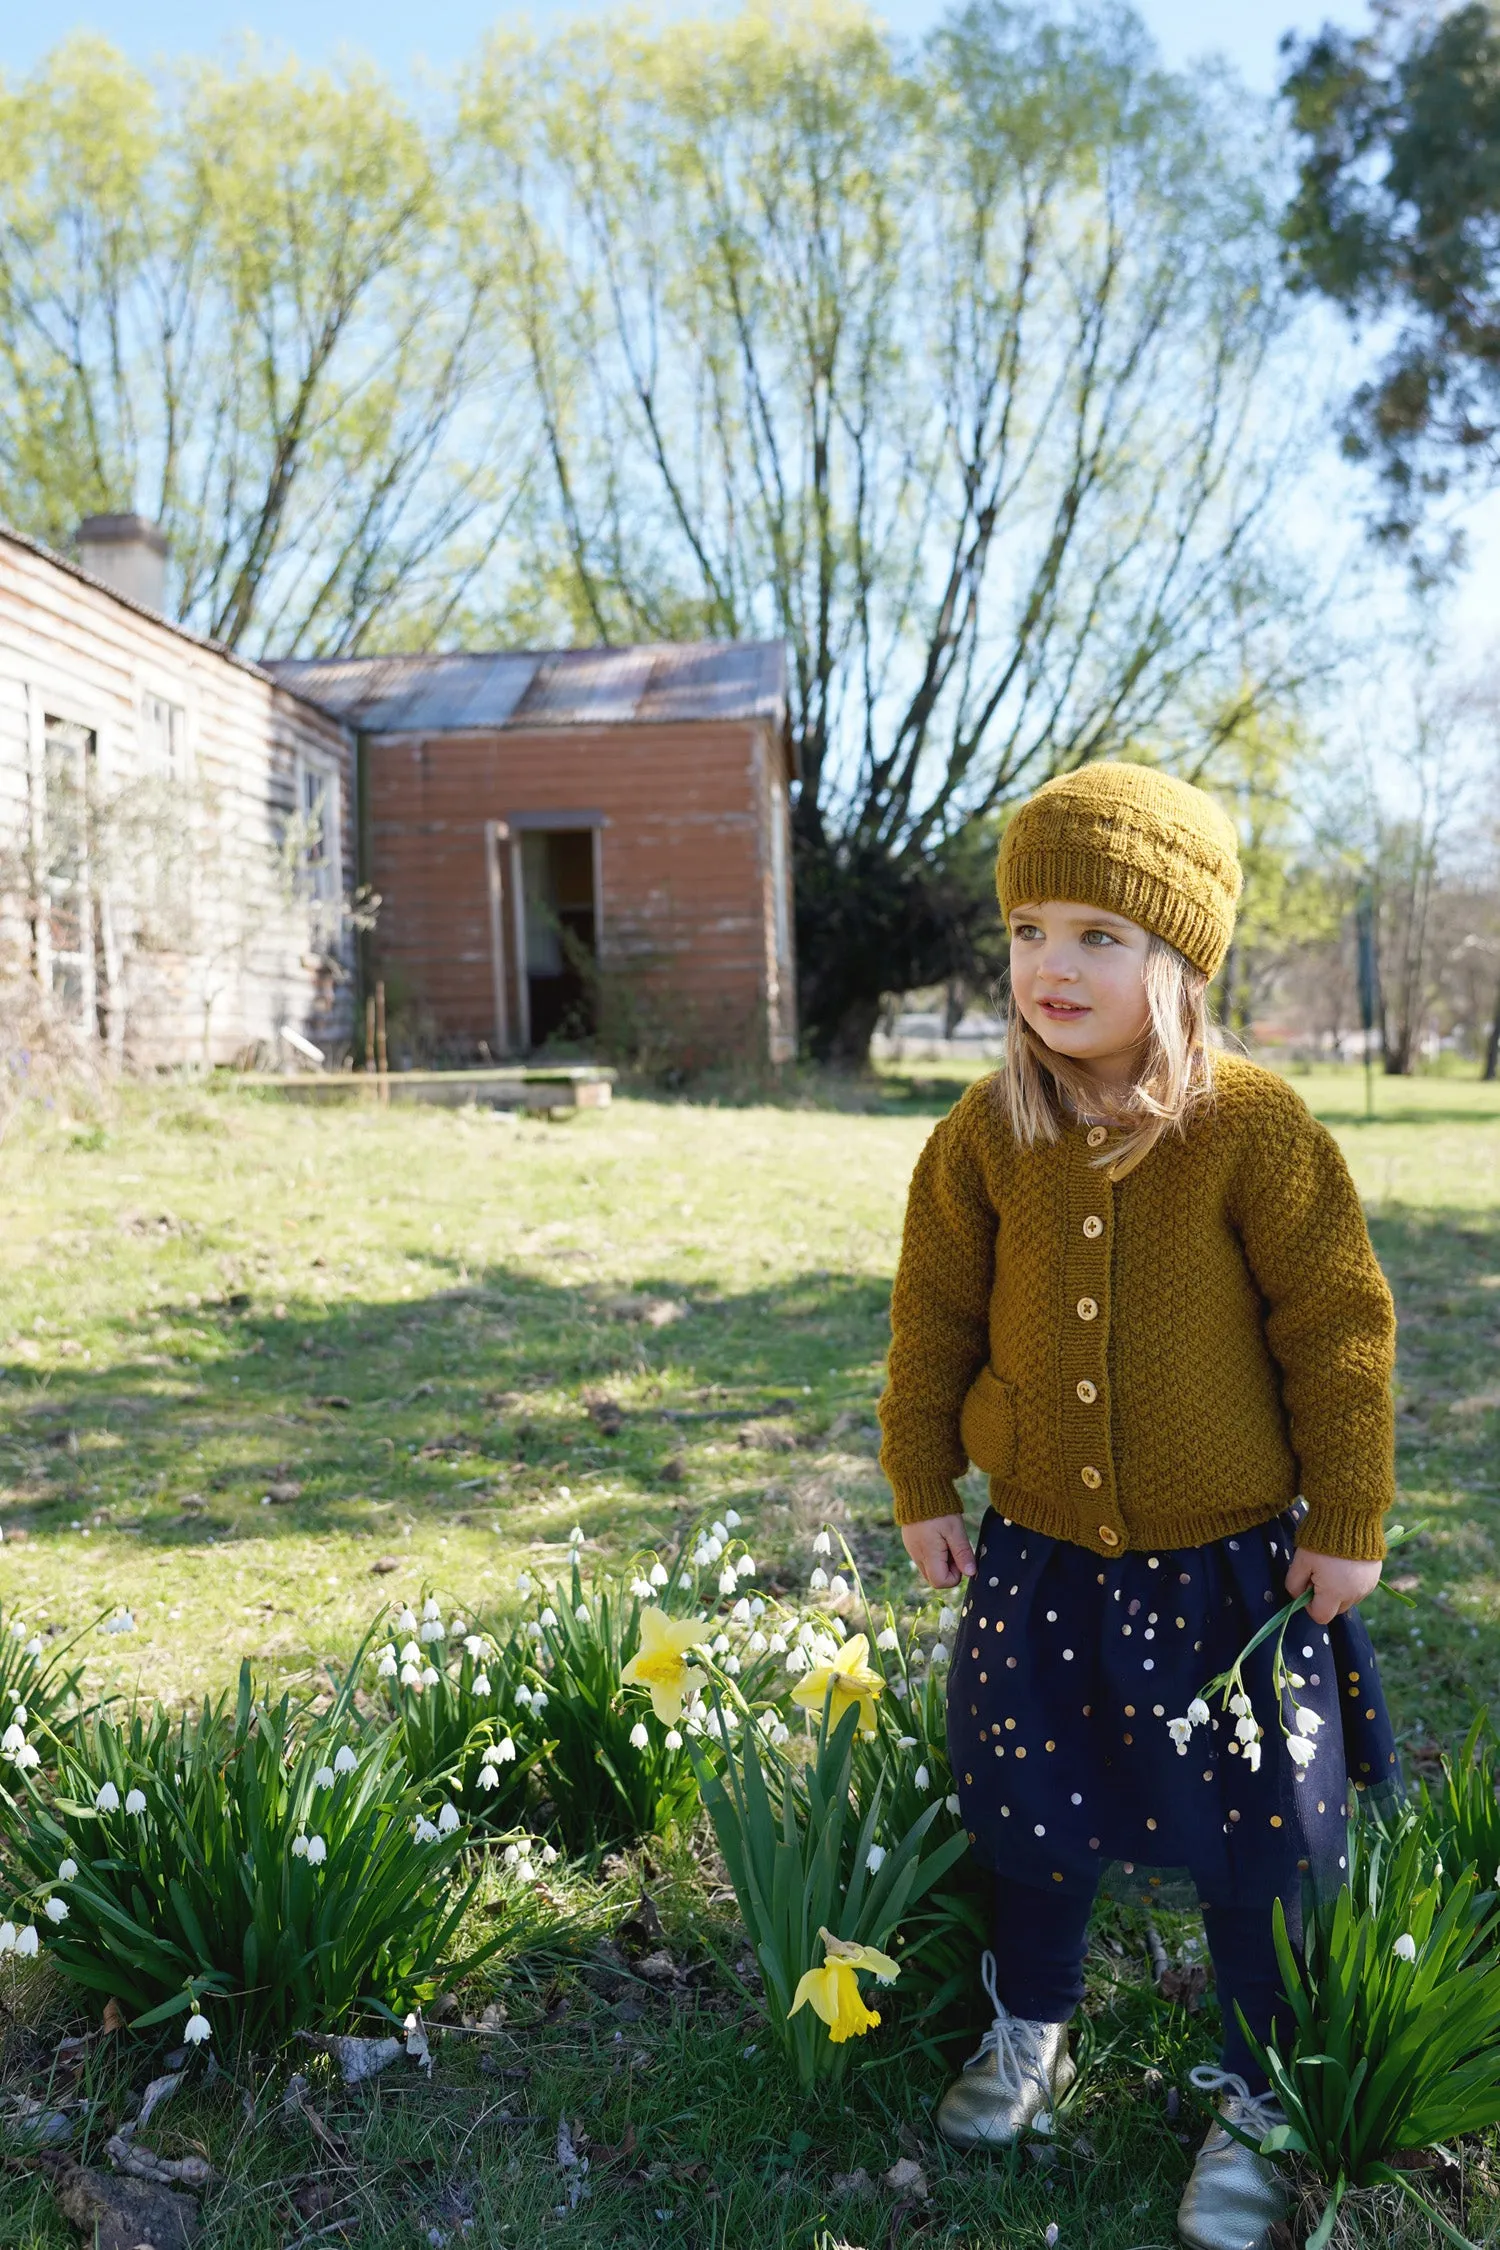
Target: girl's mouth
1062 1011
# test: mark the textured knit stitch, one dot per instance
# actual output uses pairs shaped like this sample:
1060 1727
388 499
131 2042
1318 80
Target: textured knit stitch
1157 1362
1139 842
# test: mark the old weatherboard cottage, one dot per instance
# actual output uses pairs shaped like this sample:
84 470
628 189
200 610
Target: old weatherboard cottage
201 858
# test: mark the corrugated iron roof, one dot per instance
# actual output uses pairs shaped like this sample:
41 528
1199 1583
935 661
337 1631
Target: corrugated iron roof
571 687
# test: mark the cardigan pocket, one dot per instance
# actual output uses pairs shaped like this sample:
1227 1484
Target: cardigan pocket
987 1424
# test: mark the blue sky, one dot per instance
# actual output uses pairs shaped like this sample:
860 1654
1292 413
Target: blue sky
396 35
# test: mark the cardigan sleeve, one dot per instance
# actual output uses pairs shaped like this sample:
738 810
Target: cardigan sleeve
939 1321
1330 1324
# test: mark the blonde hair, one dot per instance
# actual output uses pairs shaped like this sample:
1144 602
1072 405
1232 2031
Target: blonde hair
1174 1083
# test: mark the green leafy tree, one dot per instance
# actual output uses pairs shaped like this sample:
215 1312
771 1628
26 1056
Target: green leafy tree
249 304
948 371
1395 215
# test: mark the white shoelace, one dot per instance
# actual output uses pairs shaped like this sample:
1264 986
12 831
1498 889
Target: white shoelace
1014 2043
1256 2112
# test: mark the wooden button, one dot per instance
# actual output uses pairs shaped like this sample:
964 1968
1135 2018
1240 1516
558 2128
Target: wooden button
1110 1537
1091 1478
1093 1228
1097 1136
1087 1391
1087 1309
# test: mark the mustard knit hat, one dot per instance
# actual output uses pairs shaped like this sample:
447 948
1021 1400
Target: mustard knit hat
1134 840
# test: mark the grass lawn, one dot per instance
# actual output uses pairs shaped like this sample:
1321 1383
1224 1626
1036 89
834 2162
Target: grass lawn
265 1367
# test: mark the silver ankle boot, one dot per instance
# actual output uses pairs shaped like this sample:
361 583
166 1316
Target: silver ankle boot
1021 2070
1234 2195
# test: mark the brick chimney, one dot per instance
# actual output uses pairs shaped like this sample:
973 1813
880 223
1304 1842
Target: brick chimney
128 554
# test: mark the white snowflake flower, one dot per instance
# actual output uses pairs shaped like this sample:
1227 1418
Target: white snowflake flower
823 1544
523 1694
481 1683
639 1738
28 1758
344 1760
56 1909
952 1805
940 1653
523 1583
922 1778
732 1666
889 1639
317 1851
1251 1756
7 1937
757 1644
423 1830
430 1676
575 1536
196 2030
1245 1728
818 1581
582 1613
1240 1706
838 1586
1300 1751
549 1855
732 1519
411 1677
548 1616
123 1621
488 1778
34 1645
1308 1722
135 1802
740 1614
659 1574
406 1622
720 1530
641 1588
796 1660
745 1567
474 1643
433 1629
27 1943
323 1778
673 1739
1405 1947
299 1847
448 1820
777 1644
13 1739
1181 1731
411 1653
875 1858
432 1610
727 1581
388 1667
1198 1712
538 1700
67 1869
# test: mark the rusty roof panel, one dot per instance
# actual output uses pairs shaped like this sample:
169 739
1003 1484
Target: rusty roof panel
584 687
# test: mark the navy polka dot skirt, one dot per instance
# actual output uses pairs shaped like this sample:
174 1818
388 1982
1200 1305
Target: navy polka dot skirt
1066 1671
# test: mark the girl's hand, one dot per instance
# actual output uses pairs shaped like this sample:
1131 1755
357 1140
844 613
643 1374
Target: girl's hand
1337 1583
940 1549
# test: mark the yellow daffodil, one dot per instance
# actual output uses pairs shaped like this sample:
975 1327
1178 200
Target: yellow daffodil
833 1993
659 1664
852 1681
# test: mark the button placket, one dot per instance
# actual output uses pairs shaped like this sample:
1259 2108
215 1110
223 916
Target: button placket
1085 1345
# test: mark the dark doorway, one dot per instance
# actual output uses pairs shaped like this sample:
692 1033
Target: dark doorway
557 873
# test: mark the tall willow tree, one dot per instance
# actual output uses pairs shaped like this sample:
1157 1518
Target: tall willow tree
253 309
957 375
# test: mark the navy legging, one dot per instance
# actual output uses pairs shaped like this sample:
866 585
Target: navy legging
1041 1938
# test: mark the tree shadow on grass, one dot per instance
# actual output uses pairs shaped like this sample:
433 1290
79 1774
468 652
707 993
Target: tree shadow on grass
484 1394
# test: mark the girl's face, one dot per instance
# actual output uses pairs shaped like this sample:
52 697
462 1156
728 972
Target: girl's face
1079 977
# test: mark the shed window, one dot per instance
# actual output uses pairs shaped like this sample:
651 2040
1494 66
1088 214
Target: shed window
63 930
164 737
317 839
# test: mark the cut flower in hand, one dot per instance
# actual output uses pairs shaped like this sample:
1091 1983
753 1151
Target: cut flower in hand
851 1681
660 1663
833 1993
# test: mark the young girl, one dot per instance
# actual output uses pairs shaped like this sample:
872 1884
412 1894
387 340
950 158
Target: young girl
1136 1288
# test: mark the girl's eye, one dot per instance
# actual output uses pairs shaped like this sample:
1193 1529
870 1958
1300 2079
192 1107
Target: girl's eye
1024 930
1098 937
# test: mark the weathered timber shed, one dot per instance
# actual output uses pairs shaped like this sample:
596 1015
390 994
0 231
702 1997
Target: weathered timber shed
176 824
558 838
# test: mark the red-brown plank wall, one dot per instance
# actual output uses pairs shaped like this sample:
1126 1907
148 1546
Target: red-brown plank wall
685 856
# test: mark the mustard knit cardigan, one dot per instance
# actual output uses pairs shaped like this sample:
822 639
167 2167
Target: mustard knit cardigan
1155 1363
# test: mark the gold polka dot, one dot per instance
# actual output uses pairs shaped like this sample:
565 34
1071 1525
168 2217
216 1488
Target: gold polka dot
1275 1820
1369 1715
999 1624
984 1677
1321 1806
1130 1738
1020 1750
1011 1724
1234 1816
1055 1876
1354 1675
969 1778
1051 1745
1093 1843
973 1652
1151 1824
1130 1710
1208 1776
1088 1710
1181 1623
